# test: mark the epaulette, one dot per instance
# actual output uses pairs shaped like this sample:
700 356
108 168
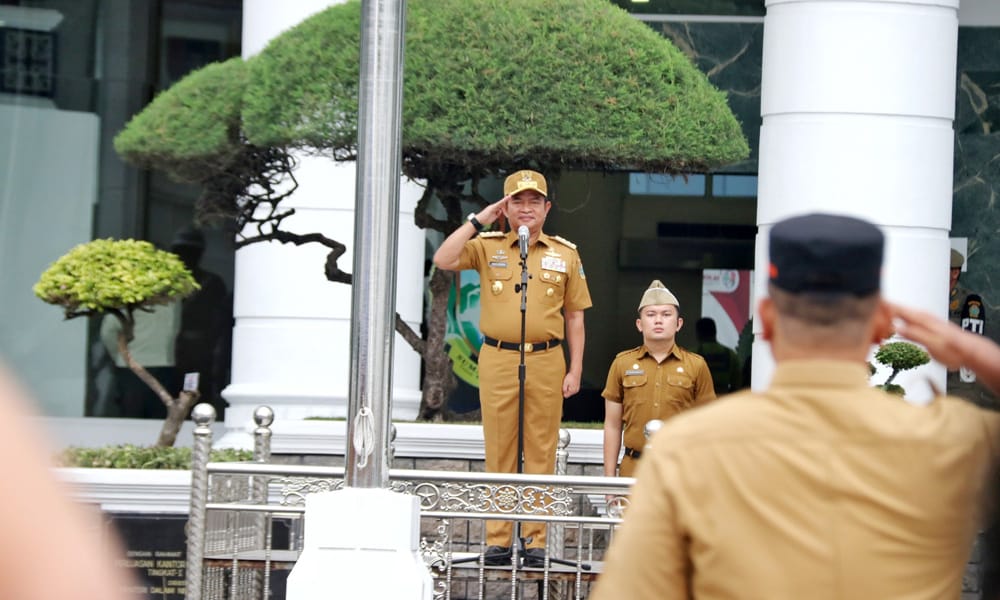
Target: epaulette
564 241
635 350
492 234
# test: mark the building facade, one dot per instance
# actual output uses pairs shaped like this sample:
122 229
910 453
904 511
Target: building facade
74 72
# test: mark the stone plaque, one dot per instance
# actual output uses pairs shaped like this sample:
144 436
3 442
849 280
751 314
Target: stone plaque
155 550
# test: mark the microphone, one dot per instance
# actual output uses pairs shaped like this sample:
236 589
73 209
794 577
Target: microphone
522 239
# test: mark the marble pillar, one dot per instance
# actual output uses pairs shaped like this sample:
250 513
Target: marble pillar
857 105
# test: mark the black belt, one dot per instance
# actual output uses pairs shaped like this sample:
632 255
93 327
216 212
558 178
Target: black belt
633 453
528 347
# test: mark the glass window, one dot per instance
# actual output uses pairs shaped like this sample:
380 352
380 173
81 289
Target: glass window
693 7
657 184
734 185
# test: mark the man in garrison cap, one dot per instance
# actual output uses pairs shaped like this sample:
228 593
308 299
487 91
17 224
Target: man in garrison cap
820 485
557 295
657 380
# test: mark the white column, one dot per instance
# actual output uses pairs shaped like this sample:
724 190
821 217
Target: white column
291 342
857 103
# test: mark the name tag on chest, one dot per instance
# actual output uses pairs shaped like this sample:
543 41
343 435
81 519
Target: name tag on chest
552 263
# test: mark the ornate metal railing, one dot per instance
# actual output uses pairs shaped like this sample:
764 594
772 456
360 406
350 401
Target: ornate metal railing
247 519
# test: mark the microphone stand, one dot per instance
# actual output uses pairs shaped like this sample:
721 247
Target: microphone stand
521 372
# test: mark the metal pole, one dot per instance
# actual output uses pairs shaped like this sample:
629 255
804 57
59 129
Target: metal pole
373 295
263 416
203 416
557 533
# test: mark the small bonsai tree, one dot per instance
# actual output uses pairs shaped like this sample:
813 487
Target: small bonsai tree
120 277
899 356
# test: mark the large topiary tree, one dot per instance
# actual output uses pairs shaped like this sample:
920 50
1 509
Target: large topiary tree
488 88
121 277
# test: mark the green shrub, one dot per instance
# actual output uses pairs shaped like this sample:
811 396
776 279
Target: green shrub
114 274
128 456
898 356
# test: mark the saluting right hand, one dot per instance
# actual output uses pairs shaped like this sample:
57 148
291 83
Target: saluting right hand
494 211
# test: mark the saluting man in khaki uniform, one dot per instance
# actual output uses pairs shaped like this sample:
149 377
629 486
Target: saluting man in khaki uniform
657 380
556 298
821 486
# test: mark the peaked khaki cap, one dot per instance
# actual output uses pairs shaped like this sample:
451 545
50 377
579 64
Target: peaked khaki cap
957 260
525 180
657 294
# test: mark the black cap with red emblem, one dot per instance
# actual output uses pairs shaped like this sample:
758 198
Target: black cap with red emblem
826 253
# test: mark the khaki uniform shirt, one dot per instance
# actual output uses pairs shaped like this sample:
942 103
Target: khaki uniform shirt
820 487
650 390
557 282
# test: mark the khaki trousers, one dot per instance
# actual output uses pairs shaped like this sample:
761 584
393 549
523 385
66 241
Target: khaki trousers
498 397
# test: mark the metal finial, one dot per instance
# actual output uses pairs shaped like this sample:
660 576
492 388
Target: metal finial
203 414
617 506
652 426
564 438
263 416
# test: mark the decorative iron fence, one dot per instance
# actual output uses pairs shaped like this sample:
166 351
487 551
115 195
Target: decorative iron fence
247 521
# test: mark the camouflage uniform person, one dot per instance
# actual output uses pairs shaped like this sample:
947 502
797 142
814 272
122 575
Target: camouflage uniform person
556 298
966 310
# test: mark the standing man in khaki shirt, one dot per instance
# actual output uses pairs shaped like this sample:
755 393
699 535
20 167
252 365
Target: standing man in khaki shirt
657 380
556 298
821 486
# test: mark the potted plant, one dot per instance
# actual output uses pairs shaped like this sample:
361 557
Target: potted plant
898 356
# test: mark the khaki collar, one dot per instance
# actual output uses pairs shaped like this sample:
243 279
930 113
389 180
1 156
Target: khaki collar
675 352
820 372
511 239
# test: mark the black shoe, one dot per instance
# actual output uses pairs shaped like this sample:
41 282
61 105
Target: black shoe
497 556
534 557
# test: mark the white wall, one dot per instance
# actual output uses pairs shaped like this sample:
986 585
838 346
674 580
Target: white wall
48 170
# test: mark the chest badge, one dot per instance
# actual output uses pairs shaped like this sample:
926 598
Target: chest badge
552 263
496 288
680 369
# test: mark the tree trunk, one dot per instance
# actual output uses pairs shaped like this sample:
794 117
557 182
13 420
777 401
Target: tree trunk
177 408
177 411
439 380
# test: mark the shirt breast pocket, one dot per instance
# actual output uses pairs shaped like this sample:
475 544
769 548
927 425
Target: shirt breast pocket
553 287
634 389
499 284
682 390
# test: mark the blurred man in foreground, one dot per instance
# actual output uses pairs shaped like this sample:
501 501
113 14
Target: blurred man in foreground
52 549
820 486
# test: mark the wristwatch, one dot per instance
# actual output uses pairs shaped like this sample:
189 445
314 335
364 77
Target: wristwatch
475 222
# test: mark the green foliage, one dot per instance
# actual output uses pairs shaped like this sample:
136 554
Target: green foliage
140 457
898 356
304 90
893 388
560 83
902 356
114 274
487 86
192 129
